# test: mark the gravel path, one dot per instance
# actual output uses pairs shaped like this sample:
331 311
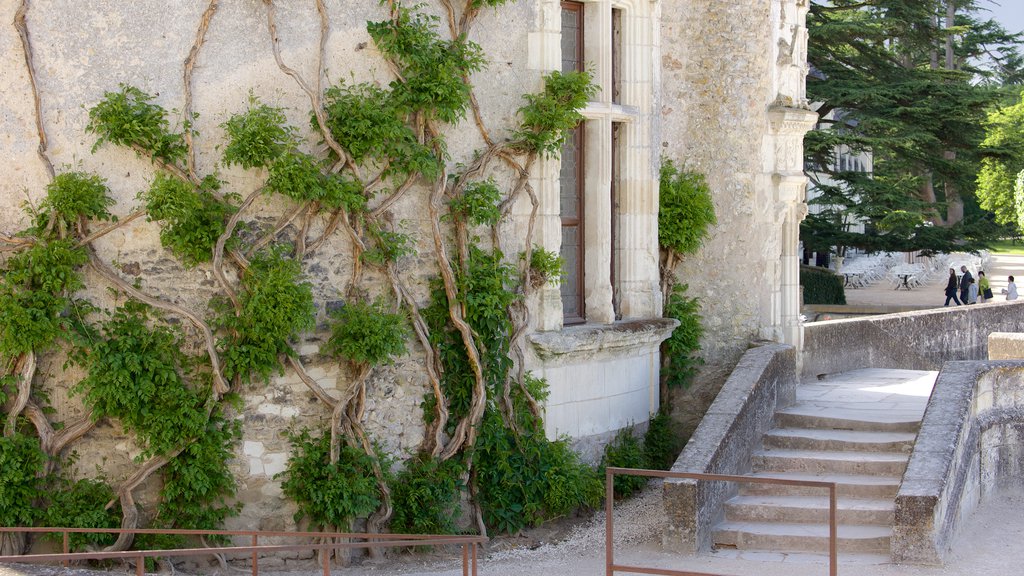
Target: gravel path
990 544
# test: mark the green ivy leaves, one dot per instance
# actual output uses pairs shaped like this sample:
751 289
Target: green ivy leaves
685 210
366 333
137 374
549 115
128 118
193 218
277 305
329 494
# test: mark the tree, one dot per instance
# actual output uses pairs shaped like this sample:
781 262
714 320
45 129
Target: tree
1003 160
901 79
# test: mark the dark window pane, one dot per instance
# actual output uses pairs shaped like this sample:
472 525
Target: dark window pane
572 36
572 291
571 199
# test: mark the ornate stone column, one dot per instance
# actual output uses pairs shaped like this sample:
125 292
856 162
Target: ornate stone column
787 128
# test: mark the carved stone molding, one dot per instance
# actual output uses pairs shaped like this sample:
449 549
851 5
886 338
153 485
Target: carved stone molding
577 343
789 120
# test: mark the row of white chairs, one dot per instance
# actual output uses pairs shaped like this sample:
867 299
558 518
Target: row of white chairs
866 270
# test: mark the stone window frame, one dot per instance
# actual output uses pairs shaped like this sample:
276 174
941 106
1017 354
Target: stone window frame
630 289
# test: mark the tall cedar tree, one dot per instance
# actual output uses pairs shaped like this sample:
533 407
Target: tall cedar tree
901 79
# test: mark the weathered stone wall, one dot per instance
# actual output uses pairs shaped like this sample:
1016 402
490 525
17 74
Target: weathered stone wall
920 340
84 49
717 80
970 445
733 109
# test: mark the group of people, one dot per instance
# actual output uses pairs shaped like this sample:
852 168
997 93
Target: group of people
972 292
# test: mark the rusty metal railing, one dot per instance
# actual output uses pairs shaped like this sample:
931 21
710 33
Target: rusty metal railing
611 567
469 545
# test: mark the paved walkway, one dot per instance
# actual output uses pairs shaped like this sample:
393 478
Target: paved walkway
933 294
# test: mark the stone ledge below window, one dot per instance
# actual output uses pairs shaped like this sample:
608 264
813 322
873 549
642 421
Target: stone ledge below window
575 343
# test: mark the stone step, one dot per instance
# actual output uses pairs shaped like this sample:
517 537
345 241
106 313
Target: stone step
865 420
808 509
847 485
839 440
804 537
830 462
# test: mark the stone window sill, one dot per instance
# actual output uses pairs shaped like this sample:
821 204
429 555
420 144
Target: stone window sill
589 340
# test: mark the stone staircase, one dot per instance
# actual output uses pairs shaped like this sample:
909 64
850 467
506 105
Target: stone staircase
857 434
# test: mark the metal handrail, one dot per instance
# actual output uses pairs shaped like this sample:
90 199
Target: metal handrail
611 567
469 545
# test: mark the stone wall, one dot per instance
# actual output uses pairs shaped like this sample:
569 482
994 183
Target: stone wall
971 444
920 340
83 50
733 107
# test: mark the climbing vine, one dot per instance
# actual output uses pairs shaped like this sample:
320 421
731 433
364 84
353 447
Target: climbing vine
170 375
685 214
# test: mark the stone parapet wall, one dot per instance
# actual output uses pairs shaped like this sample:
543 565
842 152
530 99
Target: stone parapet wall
971 444
763 382
920 340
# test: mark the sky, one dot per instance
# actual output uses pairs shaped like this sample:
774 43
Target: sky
1010 13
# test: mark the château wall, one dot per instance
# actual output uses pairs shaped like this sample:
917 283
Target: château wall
715 85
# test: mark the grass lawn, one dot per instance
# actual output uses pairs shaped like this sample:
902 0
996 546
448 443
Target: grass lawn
1007 247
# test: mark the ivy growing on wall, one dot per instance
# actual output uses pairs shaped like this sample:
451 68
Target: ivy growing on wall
169 374
685 215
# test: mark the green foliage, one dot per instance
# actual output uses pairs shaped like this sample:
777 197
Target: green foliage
33 295
548 116
1004 159
522 479
341 191
821 286
82 504
22 462
624 451
301 177
193 219
680 348
661 445
922 122
425 496
72 196
545 266
368 122
388 246
277 305
685 209
329 494
485 292
138 374
526 479
128 118
478 204
433 70
258 136
366 333
50 267
198 482
297 176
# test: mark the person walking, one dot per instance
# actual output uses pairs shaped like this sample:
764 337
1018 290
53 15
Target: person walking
965 283
972 292
951 288
1010 290
984 288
